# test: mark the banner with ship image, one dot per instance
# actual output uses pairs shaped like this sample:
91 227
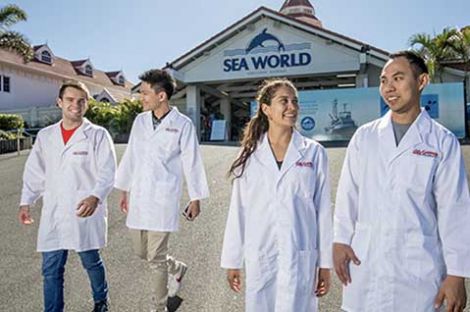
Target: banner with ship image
334 115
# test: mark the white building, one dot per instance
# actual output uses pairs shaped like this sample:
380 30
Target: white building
31 89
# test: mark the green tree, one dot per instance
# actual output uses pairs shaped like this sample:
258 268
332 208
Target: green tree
12 40
435 50
460 44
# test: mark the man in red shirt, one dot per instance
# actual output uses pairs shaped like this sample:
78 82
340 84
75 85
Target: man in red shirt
72 167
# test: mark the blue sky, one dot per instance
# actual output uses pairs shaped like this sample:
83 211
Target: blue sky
141 34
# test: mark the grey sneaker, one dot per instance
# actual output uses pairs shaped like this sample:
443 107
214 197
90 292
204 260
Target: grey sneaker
174 281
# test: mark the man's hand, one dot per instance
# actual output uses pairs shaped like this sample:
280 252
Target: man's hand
323 282
342 255
123 202
194 210
24 216
453 292
234 279
87 206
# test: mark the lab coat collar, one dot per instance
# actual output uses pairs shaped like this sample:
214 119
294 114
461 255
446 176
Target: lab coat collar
166 122
294 152
79 135
411 138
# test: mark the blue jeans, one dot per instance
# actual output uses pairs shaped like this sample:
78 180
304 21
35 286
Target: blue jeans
53 267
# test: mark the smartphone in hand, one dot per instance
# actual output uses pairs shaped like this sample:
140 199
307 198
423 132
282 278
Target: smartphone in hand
187 213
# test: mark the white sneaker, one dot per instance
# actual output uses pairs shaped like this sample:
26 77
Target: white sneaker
174 280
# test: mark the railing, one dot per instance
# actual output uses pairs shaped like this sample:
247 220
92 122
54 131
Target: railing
18 144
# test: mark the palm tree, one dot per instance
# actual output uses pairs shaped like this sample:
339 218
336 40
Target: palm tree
435 50
12 40
460 44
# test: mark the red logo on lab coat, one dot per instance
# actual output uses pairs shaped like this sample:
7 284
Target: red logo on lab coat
307 164
425 153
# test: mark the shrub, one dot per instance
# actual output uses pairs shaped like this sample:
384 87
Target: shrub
116 118
10 122
7 135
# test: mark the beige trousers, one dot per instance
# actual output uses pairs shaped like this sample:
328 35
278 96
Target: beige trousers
153 247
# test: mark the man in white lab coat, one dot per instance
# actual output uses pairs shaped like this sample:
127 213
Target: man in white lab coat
72 166
403 206
163 146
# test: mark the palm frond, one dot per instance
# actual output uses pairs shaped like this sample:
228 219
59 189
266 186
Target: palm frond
11 14
16 42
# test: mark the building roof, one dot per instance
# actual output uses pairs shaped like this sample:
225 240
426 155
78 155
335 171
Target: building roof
263 12
37 47
458 64
78 63
112 74
64 69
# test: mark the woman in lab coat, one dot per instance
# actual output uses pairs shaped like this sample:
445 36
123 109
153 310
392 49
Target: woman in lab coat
279 223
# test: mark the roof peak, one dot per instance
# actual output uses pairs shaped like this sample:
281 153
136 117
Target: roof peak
301 10
291 3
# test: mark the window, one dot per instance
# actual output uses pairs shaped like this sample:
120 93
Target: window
6 84
46 57
89 70
0 83
121 80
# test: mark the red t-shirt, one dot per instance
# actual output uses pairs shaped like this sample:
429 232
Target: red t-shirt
67 134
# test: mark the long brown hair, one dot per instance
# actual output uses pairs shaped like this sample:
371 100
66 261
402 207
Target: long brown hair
258 125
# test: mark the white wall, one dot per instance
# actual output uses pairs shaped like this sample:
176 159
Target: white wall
28 90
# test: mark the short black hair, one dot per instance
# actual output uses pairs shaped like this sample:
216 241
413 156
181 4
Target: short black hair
73 84
417 63
159 79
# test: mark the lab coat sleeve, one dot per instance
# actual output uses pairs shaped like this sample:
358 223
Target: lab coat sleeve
322 201
34 176
453 210
234 238
126 166
347 195
193 166
106 165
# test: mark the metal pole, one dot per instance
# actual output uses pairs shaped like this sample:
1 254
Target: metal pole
465 107
18 148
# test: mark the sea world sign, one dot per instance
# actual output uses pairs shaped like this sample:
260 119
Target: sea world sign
266 52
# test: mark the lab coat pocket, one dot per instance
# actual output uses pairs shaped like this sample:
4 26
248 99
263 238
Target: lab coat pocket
79 153
260 270
169 142
161 189
418 174
423 258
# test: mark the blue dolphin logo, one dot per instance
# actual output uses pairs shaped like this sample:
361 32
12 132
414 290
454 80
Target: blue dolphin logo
259 40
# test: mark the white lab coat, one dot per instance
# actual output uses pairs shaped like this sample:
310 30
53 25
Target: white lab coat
64 175
280 226
152 171
406 212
